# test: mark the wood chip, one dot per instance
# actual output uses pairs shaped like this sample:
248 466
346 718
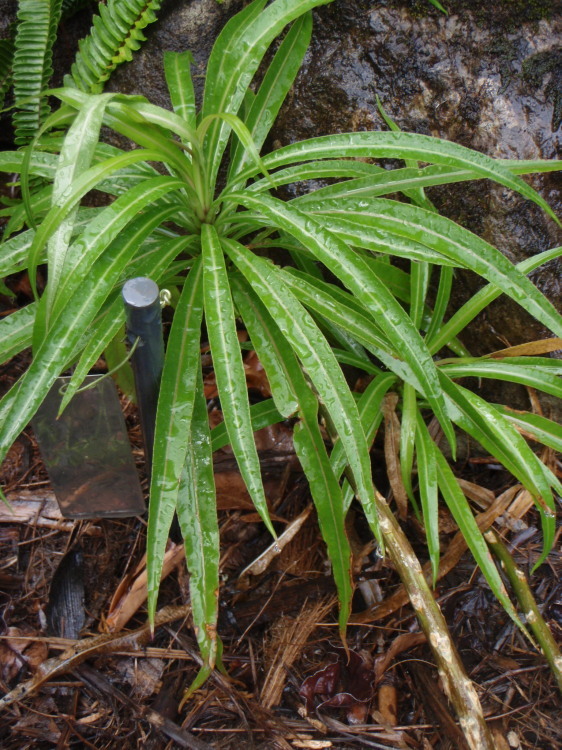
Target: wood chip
261 563
39 508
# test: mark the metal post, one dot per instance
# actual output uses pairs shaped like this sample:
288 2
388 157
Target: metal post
144 322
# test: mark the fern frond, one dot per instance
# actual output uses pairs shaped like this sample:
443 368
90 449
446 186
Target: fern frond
32 68
115 35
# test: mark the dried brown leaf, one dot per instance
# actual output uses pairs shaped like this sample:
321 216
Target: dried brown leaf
17 652
531 348
131 593
348 682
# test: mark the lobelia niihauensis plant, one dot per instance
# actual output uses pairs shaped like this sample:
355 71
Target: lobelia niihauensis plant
206 223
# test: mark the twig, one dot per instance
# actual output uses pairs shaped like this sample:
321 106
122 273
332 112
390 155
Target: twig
528 605
180 736
458 687
456 549
87 648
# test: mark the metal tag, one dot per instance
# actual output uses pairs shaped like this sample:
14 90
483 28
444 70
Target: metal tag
87 452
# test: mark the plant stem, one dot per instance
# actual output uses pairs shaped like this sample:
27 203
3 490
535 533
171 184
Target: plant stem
457 685
528 605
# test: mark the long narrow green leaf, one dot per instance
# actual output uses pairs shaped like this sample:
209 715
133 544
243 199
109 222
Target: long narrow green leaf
345 357
273 352
428 490
453 242
234 62
419 282
416 195
134 119
495 433
368 289
402 146
242 132
143 113
407 439
543 430
274 87
370 413
197 516
100 232
314 170
112 316
75 157
62 118
378 181
229 39
484 297
14 252
318 361
177 68
21 402
41 164
288 387
441 303
82 185
458 505
173 423
101 336
16 331
349 344
229 368
527 373
364 232
339 310
328 500
113 220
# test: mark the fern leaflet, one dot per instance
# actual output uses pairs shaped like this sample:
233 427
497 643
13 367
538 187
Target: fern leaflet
115 35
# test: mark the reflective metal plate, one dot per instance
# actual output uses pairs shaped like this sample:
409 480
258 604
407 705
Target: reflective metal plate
87 452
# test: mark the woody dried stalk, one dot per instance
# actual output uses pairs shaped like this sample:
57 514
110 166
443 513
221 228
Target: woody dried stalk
528 605
458 687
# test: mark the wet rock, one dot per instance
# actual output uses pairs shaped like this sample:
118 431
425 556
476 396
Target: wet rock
478 77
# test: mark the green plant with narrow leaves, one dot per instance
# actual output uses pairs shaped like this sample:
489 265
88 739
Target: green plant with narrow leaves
206 222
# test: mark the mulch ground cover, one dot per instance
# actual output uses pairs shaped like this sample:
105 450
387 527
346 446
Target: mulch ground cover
82 670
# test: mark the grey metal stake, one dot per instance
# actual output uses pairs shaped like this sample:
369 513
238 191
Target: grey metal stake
144 322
